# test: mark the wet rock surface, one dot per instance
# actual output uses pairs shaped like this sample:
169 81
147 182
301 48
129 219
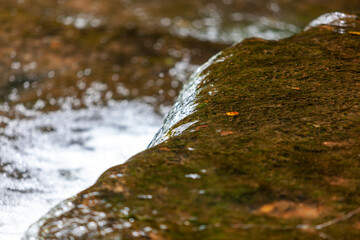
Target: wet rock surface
269 150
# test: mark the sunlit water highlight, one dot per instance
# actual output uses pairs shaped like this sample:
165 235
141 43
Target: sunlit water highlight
56 155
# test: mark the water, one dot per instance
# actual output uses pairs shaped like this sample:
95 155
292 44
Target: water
185 104
56 155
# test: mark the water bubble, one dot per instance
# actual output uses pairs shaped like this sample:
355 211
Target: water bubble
115 77
147 229
80 74
68 20
127 224
201 191
172 93
13 96
29 66
95 22
274 7
193 176
80 22
51 74
122 90
202 227
92 225
81 85
144 196
15 65
159 82
87 72
163 226
40 104
12 78
165 22
79 231
26 85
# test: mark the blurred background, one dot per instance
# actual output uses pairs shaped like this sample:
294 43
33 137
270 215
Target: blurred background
84 84
56 52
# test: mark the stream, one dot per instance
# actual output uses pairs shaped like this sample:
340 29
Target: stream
56 155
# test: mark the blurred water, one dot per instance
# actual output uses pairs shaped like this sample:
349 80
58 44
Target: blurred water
49 157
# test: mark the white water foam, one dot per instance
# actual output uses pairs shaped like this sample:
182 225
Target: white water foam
50 157
333 18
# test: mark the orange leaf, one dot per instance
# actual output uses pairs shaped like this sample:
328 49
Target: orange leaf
354 33
164 149
225 133
232 113
267 208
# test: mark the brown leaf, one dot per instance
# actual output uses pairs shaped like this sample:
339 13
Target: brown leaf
164 149
327 27
201 126
288 209
225 133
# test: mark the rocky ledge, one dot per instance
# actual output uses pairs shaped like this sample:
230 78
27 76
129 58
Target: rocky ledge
264 143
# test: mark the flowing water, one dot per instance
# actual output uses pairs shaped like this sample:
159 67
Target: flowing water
85 84
58 154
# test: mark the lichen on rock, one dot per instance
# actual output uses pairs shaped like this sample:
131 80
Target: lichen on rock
273 152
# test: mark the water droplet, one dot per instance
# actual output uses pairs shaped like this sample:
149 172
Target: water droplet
51 74
144 196
201 191
163 226
193 176
87 71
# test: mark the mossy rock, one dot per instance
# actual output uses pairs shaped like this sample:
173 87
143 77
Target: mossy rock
271 150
